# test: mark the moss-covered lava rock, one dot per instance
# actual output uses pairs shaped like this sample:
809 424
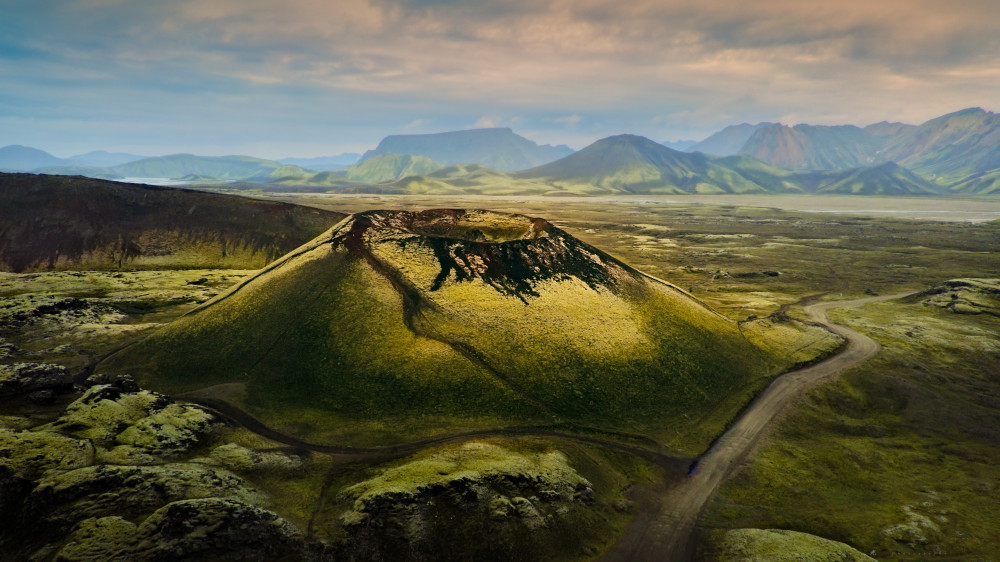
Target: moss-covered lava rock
480 500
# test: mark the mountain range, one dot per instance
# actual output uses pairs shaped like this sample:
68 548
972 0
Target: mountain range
952 150
634 164
728 141
954 153
17 158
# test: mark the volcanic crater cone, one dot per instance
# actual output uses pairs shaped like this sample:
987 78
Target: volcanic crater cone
394 325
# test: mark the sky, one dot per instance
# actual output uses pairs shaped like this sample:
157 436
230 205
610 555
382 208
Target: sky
274 78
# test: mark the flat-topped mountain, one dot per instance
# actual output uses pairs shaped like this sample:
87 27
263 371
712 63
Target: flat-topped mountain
394 325
498 148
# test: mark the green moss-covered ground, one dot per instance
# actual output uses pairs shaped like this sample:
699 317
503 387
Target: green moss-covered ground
900 456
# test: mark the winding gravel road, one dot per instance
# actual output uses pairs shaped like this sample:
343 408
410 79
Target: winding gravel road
670 534
673 464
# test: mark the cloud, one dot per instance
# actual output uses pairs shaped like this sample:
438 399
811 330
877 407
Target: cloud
487 121
664 68
569 121
416 124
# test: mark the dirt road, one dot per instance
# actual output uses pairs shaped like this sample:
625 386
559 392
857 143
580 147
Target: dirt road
673 464
670 534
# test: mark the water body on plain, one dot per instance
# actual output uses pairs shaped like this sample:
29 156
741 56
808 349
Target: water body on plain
948 209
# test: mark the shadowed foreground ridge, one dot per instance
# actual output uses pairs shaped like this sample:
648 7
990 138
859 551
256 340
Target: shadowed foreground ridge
398 325
63 222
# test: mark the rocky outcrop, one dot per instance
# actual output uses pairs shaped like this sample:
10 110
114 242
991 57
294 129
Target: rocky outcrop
107 480
25 378
133 427
62 499
965 296
919 529
415 509
197 529
240 459
31 454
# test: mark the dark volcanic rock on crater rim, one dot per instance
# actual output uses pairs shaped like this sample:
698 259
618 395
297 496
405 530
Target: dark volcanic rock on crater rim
509 252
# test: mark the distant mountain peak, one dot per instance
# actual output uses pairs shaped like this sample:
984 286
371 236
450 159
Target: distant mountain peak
20 158
628 138
729 140
635 164
970 110
813 147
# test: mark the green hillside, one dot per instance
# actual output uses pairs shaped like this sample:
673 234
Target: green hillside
390 167
987 183
950 148
63 222
470 179
181 165
634 164
286 173
772 179
395 325
885 179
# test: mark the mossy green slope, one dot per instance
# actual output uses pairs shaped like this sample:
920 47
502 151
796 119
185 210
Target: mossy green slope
390 167
634 164
180 165
398 324
884 179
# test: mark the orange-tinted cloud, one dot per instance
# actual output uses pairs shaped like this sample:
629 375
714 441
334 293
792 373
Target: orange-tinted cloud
675 67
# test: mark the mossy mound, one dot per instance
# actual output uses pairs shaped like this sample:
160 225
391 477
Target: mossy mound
395 325
965 296
197 529
472 463
777 545
61 499
133 427
481 500
107 480
240 459
29 454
